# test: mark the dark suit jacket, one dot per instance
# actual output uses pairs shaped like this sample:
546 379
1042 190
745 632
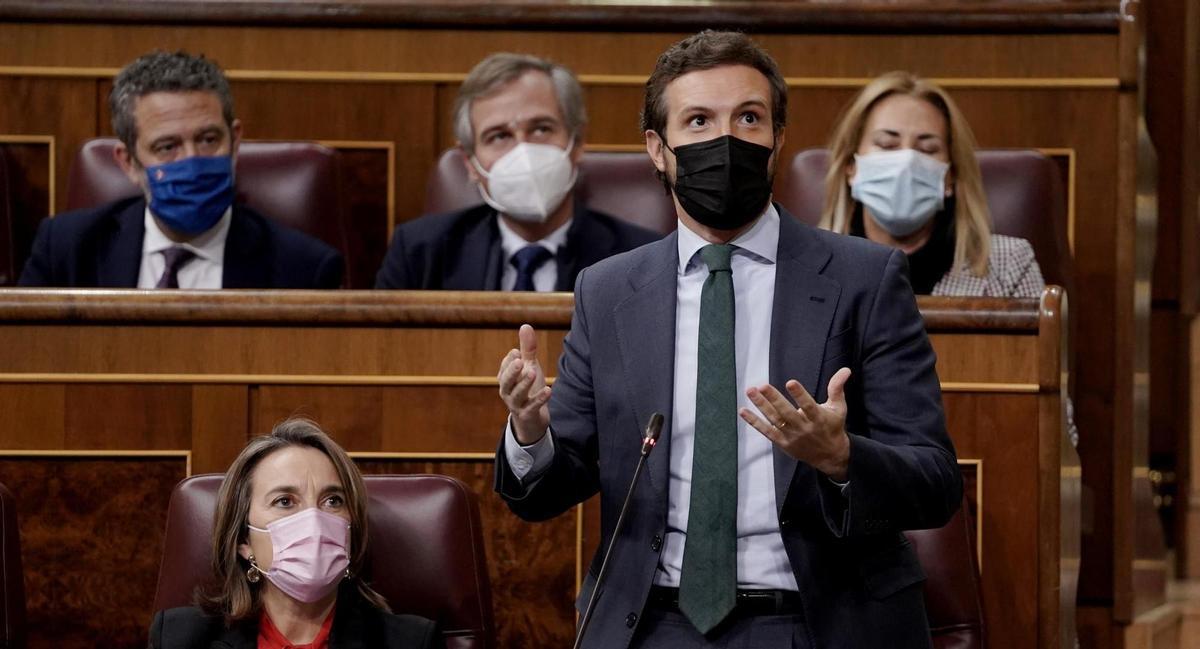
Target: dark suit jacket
839 301
102 247
356 625
461 250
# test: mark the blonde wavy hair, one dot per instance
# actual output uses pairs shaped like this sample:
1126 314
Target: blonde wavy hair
972 221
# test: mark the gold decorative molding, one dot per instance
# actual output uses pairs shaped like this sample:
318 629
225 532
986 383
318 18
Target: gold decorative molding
103 454
432 380
978 464
49 142
638 80
1069 154
428 456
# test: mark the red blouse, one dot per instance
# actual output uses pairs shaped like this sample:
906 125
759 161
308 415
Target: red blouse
270 638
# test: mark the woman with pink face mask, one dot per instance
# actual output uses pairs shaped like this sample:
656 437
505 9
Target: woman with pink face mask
902 172
289 540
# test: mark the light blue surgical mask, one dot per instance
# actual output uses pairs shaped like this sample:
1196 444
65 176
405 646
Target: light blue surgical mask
902 188
189 196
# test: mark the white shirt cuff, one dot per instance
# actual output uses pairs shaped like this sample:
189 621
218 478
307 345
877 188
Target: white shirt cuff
527 462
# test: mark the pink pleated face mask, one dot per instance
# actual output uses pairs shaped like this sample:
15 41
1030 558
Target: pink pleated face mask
309 553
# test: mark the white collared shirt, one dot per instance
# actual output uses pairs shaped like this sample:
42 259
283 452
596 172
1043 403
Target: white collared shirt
205 270
545 278
762 561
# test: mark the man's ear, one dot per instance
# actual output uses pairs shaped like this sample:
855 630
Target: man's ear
580 145
472 172
128 163
236 135
655 147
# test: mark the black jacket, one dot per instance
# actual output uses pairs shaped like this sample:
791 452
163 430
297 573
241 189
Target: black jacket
102 247
356 625
461 250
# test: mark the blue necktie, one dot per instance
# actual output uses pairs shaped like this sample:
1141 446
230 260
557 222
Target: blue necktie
527 261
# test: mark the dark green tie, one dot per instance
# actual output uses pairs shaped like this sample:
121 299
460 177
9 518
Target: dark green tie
708 584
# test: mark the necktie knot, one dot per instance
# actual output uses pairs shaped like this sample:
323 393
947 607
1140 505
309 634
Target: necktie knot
527 261
717 256
174 257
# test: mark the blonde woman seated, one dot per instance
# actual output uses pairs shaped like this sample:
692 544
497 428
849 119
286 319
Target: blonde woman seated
902 172
289 540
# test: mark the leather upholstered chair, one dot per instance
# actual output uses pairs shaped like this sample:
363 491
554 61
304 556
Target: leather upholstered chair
12 578
621 184
952 598
425 553
293 183
1024 193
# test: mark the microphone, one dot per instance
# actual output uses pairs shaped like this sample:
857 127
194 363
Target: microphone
653 430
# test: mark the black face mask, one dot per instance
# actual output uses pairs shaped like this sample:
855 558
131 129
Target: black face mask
723 183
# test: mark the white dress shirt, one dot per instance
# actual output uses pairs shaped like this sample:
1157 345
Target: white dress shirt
546 276
762 561
205 270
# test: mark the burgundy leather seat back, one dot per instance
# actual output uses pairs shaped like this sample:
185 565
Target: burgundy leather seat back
294 183
621 184
1024 193
425 554
952 597
12 578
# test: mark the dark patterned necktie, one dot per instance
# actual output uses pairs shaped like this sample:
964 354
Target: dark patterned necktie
176 257
527 261
708 583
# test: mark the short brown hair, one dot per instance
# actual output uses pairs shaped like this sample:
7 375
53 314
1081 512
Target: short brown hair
704 51
233 596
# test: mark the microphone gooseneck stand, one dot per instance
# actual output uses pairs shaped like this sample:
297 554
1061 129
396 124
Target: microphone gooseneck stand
653 430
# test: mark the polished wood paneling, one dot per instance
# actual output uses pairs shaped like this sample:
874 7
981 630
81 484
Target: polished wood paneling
28 165
419 389
531 565
63 108
91 541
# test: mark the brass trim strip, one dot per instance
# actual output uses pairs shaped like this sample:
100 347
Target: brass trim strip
340 76
578 550
968 386
1069 154
978 463
367 379
421 455
63 453
50 142
380 145
618 148
272 379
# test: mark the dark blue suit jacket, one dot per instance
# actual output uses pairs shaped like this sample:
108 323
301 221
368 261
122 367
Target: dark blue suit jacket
839 301
461 250
102 247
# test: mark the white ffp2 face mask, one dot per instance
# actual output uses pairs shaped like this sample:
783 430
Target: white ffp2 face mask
529 182
902 188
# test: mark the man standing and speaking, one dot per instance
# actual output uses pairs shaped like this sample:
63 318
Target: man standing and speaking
804 427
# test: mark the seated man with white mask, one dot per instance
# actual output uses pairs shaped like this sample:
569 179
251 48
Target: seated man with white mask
173 113
519 121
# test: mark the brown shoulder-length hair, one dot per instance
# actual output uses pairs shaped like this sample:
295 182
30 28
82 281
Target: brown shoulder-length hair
232 595
972 221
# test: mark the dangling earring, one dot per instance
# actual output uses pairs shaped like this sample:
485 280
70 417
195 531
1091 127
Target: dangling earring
253 574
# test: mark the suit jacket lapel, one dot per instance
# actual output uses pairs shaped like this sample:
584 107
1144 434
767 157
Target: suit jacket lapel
120 264
646 338
246 264
242 635
479 252
802 313
587 243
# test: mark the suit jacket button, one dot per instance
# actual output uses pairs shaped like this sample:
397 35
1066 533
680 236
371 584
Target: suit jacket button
656 544
631 620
